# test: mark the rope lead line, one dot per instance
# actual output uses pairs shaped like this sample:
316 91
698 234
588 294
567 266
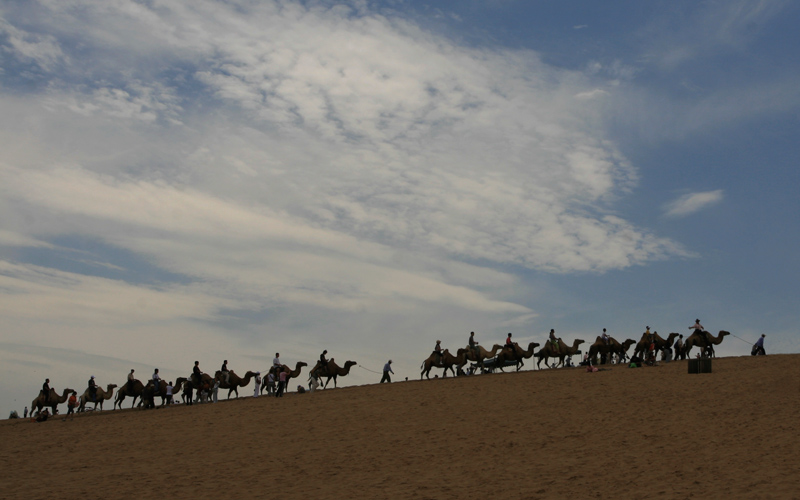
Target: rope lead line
373 371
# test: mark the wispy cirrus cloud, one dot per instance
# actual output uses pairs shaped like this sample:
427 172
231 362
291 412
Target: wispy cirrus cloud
314 171
692 202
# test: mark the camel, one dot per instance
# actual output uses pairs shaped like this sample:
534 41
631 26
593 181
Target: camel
643 346
138 387
331 371
447 362
53 401
101 396
699 340
290 374
124 391
235 381
613 347
563 350
518 355
479 356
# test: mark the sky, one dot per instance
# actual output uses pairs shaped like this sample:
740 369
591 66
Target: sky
207 180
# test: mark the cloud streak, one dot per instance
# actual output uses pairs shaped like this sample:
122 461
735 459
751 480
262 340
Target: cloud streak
692 202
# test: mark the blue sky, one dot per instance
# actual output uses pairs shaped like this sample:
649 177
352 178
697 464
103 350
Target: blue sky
207 180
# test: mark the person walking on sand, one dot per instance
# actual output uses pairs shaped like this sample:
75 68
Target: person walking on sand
25 413
257 388
281 384
758 347
387 369
679 354
215 391
271 383
72 403
169 390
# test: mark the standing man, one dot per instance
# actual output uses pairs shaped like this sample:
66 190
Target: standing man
758 347
169 392
215 391
387 369
271 383
281 384
679 348
257 388
25 413
225 373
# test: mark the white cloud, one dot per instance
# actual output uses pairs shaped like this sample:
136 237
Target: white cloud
692 202
317 173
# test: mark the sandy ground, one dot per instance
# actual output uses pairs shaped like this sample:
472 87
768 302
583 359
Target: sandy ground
620 433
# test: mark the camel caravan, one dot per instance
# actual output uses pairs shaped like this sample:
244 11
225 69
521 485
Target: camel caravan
201 387
197 387
605 349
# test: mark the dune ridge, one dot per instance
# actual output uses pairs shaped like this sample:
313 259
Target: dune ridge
618 433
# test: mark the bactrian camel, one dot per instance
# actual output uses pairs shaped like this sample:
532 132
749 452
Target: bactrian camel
446 361
53 401
643 346
135 392
561 351
518 355
234 381
290 374
101 396
699 340
331 371
479 355
613 347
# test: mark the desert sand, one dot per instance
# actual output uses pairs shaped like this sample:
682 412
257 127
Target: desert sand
653 432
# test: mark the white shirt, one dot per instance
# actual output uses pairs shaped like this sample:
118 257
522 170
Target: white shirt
169 390
276 362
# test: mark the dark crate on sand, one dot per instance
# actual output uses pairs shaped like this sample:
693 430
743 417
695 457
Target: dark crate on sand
700 365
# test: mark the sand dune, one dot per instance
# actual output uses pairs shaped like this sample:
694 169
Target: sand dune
619 433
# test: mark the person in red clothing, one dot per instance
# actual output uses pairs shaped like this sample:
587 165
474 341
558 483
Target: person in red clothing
72 402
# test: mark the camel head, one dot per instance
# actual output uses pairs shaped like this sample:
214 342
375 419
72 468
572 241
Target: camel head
110 387
301 364
460 351
349 364
579 342
722 333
